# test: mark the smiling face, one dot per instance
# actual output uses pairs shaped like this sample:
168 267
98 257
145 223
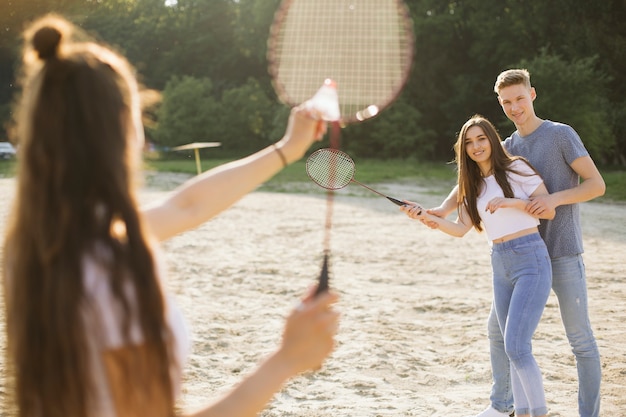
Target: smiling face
517 103
478 148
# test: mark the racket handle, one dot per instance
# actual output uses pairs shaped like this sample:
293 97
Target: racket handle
322 284
397 202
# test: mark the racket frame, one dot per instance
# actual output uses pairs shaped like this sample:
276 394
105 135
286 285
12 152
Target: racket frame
345 161
367 110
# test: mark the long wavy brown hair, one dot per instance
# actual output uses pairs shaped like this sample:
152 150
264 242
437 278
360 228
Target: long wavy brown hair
77 150
469 176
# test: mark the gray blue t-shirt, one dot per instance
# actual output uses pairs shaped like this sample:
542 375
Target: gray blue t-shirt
551 148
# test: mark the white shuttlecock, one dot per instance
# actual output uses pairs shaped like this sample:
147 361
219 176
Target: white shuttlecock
326 101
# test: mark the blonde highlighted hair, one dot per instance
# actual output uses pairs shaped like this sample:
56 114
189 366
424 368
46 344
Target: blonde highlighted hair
512 77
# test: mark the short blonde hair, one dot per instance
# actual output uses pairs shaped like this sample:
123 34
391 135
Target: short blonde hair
512 77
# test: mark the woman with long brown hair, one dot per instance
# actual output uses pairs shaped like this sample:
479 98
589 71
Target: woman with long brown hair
493 191
90 330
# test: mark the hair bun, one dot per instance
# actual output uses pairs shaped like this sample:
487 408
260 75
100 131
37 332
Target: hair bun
46 42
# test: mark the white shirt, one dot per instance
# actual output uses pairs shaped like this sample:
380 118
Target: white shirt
103 318
506 221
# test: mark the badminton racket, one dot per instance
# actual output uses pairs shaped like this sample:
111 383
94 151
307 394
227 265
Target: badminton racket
365 49
364 46
318 167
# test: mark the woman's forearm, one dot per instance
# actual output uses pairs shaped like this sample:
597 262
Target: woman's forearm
252 395
210 193
456 229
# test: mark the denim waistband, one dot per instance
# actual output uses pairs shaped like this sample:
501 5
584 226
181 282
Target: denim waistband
513 243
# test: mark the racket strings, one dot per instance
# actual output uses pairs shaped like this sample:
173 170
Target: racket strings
330 168
366 46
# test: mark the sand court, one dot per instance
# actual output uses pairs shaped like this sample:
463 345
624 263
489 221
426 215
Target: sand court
414 303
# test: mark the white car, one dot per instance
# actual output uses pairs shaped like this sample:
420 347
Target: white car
7 151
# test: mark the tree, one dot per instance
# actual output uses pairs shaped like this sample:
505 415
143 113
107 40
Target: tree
188 113
246 114
461 46
397 131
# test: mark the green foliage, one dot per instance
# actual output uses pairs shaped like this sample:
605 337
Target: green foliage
575 49
189 113
8 168
247 113
615 181
253 19
192 112
462 46
398 130
279 121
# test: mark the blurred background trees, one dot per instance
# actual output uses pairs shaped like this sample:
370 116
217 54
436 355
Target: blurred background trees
207 57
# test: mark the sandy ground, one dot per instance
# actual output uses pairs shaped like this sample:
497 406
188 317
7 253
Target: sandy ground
414 304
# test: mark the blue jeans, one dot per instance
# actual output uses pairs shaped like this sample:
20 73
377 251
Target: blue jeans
522 277
570 286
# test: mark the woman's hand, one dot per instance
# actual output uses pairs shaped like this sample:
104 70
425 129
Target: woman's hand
542 206
413 210
305 126
308 336
503 202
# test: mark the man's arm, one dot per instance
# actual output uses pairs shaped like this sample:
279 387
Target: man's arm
591 186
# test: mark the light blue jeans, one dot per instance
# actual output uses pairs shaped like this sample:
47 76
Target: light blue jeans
570 286
522 278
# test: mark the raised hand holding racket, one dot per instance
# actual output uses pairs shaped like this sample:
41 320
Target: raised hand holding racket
364 46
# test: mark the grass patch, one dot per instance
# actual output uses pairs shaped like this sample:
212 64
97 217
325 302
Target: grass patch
615 181
439 175
367 171
8 168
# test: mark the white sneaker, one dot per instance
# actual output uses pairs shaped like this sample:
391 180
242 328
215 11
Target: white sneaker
492 412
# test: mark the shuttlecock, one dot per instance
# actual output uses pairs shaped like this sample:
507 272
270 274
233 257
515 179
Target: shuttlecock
326 101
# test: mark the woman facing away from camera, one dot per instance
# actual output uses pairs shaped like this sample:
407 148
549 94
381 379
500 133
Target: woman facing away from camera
493 191
91 331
